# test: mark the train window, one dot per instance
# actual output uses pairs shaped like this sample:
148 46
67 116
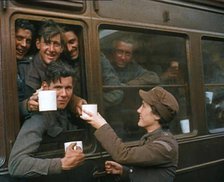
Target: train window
141 61
213 61
27 54
77 5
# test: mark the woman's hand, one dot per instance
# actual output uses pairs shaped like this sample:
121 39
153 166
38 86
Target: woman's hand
96 120
112 167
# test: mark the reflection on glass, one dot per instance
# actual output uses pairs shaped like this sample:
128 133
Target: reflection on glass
185 125
142 60
213 61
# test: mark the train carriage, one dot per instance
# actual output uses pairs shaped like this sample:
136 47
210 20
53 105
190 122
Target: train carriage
189 32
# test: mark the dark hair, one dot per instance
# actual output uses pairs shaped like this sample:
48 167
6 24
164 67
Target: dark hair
56 70
164 124
49 29
126 39
65 55
24 24
68 28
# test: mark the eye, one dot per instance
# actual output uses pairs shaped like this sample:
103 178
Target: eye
47 43
19 38
57 44
58 87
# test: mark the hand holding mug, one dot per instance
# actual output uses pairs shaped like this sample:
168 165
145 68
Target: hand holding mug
93 117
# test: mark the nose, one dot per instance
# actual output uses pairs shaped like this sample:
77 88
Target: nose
74 45
51 48
23 43
123 56
63 92
139 109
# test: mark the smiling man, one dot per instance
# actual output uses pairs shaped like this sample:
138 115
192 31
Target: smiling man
22 163
71 54
72 44
50 45
24 31
24 36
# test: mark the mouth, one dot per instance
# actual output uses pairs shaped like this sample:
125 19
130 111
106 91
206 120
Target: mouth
74 54
121 65
74 51
20 52
62 101
51 56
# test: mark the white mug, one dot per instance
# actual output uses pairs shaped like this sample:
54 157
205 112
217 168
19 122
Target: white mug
47 100
209 96
89 108
78 145
185 125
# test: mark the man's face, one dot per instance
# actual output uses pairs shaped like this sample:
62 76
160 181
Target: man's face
122 54
64 91
23 42
72 44
50 51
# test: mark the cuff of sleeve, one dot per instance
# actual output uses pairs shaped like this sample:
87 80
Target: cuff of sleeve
126 172
104 127
23 108
55 166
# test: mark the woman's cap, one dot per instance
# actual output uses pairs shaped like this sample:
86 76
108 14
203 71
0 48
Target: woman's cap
164 102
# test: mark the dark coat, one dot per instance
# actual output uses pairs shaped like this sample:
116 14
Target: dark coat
22 162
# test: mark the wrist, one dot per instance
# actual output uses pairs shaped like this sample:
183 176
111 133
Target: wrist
63 166
27 105
101 125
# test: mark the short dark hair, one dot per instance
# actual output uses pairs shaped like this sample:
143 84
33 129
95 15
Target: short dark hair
126 39
24 24
68 28
49 29
56 70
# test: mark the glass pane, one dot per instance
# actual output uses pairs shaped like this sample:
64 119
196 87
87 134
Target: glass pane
75 5
213 60
134 61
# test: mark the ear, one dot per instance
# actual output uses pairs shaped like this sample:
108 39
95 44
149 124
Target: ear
44 85
157 117
38 43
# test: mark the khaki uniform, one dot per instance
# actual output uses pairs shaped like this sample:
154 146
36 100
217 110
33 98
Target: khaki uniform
154 158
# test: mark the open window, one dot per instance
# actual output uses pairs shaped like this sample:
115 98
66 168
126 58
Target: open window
79 130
